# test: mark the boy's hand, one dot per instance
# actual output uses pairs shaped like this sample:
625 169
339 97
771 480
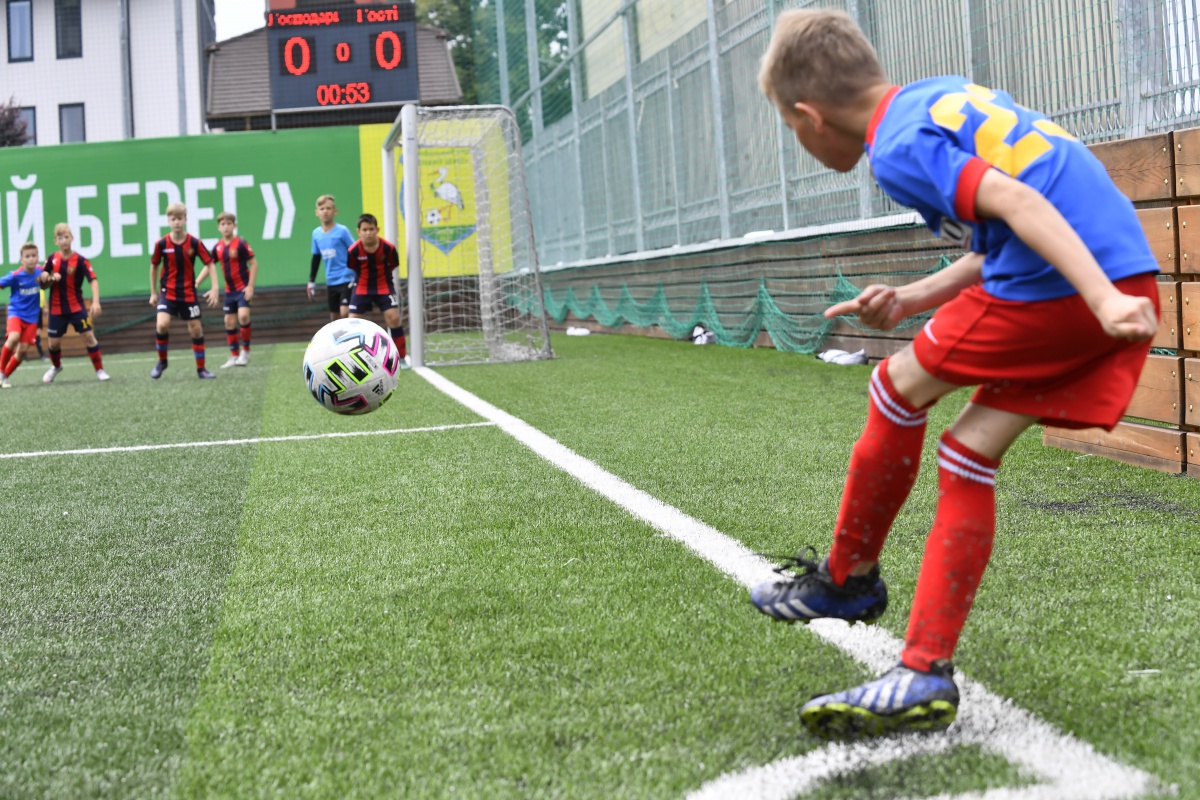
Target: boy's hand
154 298
55 278
1127 317
249 293
211 297
877 306
96 309
312 290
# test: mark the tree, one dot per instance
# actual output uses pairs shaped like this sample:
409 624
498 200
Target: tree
12 125
455 17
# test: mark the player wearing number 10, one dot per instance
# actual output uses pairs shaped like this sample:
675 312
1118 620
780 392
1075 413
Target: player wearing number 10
1049 313
177 253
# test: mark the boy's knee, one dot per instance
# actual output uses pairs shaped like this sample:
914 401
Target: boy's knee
912 380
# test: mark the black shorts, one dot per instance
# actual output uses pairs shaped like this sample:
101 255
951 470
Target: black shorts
80 321
339 295
180 308
234 301
361 303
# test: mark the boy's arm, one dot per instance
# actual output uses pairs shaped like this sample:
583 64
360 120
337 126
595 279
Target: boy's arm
312 275
153 283
1038 224
253 264
882 307
95 297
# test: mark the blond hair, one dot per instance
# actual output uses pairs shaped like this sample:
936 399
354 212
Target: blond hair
63 227
818 55
176 210
226 215
28 246
326 198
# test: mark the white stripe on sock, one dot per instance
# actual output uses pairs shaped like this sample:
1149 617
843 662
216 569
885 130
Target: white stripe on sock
965 461
965 473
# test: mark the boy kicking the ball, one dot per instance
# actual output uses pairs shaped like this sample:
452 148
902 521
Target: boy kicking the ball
1049 313
373 258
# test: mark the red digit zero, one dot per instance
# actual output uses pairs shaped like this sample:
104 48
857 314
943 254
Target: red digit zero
343 52
397 53
289 55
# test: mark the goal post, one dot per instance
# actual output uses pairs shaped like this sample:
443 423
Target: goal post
461 207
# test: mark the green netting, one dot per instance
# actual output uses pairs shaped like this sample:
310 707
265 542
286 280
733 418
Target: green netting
803 332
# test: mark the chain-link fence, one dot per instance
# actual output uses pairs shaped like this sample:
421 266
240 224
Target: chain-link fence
644 128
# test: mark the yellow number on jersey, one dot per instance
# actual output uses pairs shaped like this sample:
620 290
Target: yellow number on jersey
990 145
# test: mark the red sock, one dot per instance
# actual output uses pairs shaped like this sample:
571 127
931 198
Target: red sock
198 351
11 365
398 338
231 338
161 342
246 338
94 355
56 357
883 466
5 354
956 553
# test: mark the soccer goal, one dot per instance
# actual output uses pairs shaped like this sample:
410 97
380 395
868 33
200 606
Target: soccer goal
473 284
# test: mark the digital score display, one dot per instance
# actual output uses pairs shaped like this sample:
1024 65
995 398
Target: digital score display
343 54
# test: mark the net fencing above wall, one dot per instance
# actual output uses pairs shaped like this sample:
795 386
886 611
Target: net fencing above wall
643 126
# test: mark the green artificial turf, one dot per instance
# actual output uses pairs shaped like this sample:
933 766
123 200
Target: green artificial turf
444 614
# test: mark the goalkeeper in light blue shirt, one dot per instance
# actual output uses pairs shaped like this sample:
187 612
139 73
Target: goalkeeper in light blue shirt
330 242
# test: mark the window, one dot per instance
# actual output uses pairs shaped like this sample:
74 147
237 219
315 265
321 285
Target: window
20 30
29 115
70 124
68 28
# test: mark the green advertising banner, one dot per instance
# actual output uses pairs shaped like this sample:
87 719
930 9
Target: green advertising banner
114 196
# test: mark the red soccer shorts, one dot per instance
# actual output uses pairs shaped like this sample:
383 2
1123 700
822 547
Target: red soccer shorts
1048 359
27 330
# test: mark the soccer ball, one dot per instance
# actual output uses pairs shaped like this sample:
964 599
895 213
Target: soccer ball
351 366
433 217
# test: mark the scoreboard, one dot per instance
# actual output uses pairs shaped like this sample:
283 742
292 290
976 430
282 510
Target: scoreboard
342 54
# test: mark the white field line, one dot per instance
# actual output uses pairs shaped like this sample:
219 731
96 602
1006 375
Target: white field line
91 451
1066 768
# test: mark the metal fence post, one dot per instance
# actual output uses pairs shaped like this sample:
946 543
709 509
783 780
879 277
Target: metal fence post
535 72
502 54
635 161
718 118
1136 74
781 135
576 107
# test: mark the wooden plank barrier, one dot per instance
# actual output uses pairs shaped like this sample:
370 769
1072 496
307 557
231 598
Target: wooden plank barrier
1161 174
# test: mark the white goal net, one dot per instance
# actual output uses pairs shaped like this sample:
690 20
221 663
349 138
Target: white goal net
474 289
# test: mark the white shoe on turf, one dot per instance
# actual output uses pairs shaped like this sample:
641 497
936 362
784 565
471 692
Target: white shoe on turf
101 375
243 358
230 362
50 373
4 384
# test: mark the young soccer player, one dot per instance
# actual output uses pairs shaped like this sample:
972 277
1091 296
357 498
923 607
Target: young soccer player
177 253
67 270
373 258
330 243
241 268
1049 313
25 284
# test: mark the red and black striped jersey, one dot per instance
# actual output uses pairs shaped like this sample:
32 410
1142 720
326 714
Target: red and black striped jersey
235 260
179 266
66 295
374 270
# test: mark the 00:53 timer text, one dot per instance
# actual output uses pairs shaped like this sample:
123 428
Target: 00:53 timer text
334 94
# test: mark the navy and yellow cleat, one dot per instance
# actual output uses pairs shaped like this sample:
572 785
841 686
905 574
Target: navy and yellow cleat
812 594
902 700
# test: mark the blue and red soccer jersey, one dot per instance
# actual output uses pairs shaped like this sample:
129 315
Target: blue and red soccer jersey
65 296
931 142
374 270
26 298
235 258
178 282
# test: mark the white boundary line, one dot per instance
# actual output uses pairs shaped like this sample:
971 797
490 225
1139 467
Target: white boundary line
91 451
1068 768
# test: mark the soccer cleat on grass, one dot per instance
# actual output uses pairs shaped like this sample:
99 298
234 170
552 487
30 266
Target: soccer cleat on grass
101 375
50 374
230 362
4 382
158 370
901 700
406 362
812 594
204 374
243 358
